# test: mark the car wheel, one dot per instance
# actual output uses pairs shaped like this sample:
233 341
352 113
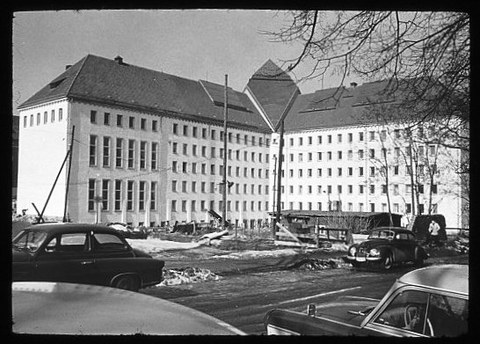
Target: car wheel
127 283
387 262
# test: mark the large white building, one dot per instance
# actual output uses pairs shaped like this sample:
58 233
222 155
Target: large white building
148 148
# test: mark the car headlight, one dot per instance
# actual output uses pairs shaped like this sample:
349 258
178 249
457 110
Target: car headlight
374 252
352 251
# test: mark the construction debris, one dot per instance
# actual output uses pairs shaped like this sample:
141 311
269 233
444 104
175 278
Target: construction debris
186 276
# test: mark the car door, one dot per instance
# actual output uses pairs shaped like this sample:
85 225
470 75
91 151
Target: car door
403 246
67 257
112 256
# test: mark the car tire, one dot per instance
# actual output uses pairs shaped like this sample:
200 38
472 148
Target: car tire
387 262
127 283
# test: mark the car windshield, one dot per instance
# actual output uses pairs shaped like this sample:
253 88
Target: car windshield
29 240
382 234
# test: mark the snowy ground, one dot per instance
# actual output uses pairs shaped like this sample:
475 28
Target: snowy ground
158 247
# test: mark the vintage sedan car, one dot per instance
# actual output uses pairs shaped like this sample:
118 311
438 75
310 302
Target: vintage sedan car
72 309
386 246
427 302
81 253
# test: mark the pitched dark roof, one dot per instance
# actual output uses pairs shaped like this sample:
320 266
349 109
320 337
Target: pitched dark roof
274 90
112 82
337 107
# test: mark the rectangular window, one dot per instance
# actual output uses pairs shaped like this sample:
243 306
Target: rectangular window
131 122
319 140
105 194
185 130
371 135
339 155
434 188
130 195
175 128
184 167
106 118
38 118
106 152
360 136
204 133
350 137
154 155
141 196
203 187
45 117
339 138
153 195
119 153
118 195
60 114
143 123
329 138
143 154
185 149
184 206
25 121
93 150
93 116
174 186
372 153
31 120
174 206
154 125
91 194
372 189
131 153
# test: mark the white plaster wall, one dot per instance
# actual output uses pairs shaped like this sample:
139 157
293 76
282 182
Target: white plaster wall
42 149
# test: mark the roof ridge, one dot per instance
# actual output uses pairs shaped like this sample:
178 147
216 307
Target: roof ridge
82 61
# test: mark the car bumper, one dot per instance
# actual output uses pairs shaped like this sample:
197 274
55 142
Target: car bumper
363 259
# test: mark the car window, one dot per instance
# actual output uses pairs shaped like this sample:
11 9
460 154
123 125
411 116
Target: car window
406 311
402 236
30 240
68 242
108 242
447 316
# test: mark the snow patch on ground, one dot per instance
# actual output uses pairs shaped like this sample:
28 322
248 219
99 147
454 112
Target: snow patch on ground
257 254
152 245
187 276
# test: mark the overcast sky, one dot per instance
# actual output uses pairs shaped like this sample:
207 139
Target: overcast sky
195 44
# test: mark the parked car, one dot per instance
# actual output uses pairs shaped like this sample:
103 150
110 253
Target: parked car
65 308
128 231
386 246
82 253
427 302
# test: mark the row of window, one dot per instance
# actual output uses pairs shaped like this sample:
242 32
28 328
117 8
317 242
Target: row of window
203 133
213 186
372 207
125 153
372 136
46 118
309 189
122 121
111 194
213 153
184 168
420 152
193 205
395 169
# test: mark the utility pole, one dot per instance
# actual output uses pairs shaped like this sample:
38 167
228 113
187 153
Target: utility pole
68 174
225 117
279 178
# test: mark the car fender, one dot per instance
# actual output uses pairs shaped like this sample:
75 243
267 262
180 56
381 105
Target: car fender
124 274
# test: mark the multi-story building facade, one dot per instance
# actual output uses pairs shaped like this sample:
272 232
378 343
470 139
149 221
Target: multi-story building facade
148 148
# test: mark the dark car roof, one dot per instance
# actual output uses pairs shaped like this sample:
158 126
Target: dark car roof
394 229
450 277
69 227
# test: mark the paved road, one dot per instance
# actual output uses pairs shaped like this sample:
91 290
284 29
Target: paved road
243 300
